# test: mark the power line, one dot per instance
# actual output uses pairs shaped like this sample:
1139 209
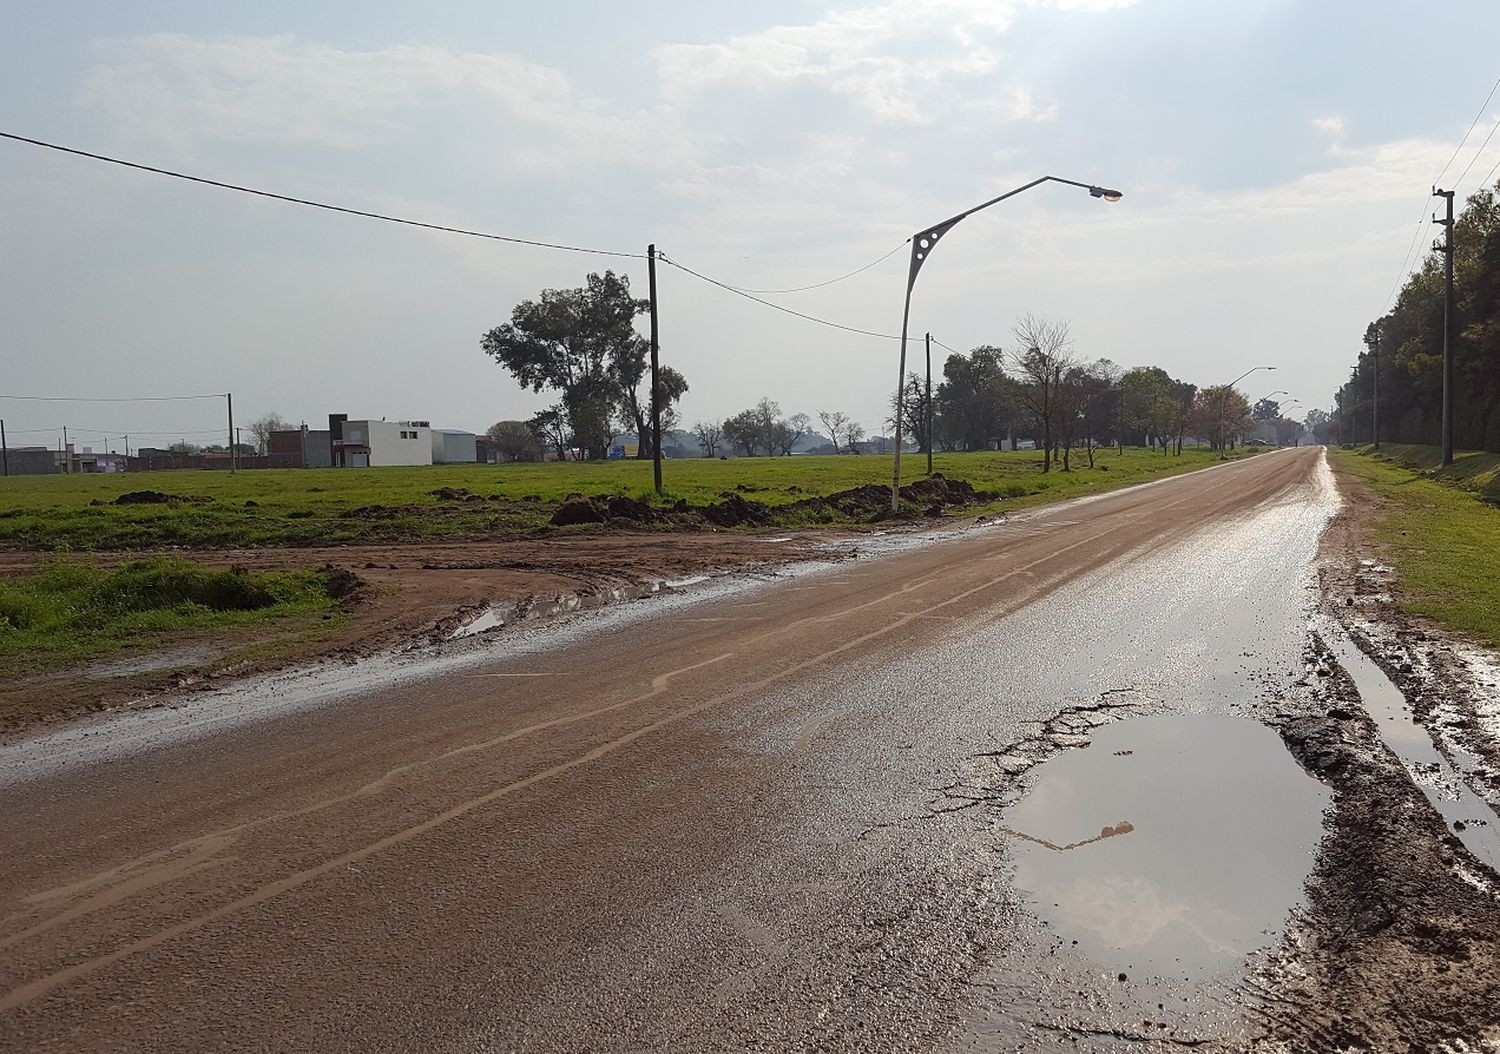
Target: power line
238 188
1488 180
819 285
775 307
1482 145
110 398
1470 132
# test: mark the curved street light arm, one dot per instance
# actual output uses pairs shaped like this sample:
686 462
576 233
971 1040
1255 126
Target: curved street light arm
922 244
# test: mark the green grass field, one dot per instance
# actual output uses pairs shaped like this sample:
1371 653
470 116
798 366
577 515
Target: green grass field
70 610
330 506
1441 534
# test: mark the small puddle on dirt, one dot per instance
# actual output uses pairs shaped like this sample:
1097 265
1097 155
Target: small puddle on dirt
1467 814
1172 845
562 604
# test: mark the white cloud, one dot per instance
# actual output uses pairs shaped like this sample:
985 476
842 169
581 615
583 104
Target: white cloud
286 92
1330 124
887 57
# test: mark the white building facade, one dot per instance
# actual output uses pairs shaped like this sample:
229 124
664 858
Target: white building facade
379 444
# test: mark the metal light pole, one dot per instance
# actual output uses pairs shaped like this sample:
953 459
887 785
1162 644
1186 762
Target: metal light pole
922 244
928 400
1224 398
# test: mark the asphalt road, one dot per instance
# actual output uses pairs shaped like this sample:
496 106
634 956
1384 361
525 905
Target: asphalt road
770 817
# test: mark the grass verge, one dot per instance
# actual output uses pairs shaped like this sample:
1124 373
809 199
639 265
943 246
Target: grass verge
208 509
71 611
1439 532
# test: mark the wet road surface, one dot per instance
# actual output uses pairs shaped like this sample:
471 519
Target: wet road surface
793 815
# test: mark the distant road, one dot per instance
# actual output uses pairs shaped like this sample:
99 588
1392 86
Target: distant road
705 825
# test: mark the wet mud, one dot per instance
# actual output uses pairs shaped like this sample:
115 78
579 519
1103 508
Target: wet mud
1399 947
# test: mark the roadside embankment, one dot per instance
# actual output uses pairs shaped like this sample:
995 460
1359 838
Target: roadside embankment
1439 528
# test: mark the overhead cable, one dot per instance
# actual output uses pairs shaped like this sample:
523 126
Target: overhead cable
238 188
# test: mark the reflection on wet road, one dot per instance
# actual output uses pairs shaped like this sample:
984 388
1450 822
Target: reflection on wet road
1222 824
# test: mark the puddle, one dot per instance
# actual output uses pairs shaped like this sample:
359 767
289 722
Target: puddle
562 604
1467 814
1171 846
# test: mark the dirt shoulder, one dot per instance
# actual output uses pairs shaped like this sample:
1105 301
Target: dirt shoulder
1451 683
409 592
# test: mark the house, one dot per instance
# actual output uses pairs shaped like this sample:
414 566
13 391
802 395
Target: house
378 444
299 448
33 461
452 446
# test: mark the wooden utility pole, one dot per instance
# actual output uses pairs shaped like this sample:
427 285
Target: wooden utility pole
1447 249
655 375
1375 423
229 407
4 450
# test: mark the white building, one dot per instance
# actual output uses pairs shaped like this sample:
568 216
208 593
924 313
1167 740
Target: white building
452 446
378 444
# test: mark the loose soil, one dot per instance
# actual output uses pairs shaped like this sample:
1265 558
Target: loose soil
1399 948
396 594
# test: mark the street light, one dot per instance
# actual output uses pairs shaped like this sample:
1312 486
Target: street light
1224 398
922 244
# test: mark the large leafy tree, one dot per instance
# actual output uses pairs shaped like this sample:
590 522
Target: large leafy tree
1406 344
973 401
582 344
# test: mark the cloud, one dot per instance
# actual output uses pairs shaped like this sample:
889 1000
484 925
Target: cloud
1331 124
282 91
888 58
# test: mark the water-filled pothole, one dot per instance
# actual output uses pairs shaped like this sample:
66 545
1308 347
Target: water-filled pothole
1171 846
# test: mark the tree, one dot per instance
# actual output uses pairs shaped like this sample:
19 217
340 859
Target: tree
550 427
743 433
630 369
710 434
1319 423
515 440
784 434
973 403
835 421
1048 353
854 434
580 343
1266 410
262 427
913 406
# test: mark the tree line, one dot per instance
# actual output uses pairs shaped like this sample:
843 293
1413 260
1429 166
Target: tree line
1407 342
582 345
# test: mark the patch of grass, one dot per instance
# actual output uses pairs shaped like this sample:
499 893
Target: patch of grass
1441 537
71 610
1472 470
289 507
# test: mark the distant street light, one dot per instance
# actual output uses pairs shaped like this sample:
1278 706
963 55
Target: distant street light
1224 398
922 244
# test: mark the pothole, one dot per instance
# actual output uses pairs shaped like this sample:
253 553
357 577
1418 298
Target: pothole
1172 846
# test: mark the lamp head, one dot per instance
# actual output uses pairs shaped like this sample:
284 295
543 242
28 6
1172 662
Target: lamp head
1105 193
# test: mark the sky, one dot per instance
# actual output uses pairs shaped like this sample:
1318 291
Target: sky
1275 158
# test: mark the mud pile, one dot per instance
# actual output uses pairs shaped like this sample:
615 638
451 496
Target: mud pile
866 504
156 497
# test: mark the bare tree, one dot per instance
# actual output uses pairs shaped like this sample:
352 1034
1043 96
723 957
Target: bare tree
710 434
854 434
1047 354
787 432
835 421
515 441
262 427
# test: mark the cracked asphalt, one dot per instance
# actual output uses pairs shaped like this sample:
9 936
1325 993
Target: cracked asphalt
771 817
